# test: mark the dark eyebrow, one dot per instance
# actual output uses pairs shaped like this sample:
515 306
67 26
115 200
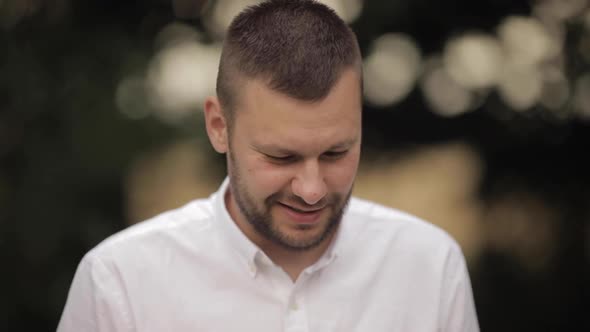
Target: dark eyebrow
344 145
271 148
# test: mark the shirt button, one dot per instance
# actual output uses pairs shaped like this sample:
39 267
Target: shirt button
252 268
294 306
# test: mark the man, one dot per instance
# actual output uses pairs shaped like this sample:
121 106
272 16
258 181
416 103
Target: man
281 246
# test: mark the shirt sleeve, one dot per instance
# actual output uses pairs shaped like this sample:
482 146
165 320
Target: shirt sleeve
459 314
96 301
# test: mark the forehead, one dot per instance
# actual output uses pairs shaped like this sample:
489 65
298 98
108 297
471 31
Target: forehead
264 116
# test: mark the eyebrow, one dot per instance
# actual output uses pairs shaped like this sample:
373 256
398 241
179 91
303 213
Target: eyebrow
283 151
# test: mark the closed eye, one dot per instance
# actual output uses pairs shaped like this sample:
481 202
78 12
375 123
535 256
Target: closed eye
280 159
334 154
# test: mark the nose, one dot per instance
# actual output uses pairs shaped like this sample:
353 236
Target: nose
309 183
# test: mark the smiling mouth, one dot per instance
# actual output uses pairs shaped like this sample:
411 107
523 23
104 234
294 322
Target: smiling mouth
300 216
308 211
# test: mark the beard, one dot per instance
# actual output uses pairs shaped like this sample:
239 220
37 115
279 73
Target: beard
265 225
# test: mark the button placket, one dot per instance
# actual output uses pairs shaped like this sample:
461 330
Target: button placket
296 317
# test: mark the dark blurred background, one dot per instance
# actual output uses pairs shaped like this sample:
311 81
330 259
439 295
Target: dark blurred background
477 116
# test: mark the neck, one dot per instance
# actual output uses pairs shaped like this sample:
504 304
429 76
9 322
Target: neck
293 262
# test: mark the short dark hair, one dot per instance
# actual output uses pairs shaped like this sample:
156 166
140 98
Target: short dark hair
298 47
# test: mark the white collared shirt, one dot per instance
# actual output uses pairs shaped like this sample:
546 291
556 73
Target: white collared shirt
192 269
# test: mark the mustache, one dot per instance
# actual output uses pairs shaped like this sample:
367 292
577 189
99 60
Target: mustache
277 198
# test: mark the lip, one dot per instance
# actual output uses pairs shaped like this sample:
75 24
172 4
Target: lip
301 216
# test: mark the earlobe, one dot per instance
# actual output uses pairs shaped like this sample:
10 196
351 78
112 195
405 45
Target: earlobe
216 124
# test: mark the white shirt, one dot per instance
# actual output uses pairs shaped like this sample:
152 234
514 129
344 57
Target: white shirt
192 269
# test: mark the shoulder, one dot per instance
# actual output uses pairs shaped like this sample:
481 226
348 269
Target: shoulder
184 226
400 241
381 223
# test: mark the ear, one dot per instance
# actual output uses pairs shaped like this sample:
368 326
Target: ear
216 124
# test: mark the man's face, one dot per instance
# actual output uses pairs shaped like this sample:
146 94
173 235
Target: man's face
292 163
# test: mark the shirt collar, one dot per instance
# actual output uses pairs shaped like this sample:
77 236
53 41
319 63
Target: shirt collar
251 255
245 249
335 248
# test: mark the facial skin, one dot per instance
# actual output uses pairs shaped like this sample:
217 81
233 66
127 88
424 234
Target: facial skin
291 163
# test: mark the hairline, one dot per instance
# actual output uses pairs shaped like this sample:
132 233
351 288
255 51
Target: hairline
229 107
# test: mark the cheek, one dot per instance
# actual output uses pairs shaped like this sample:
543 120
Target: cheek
341 175
267 178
